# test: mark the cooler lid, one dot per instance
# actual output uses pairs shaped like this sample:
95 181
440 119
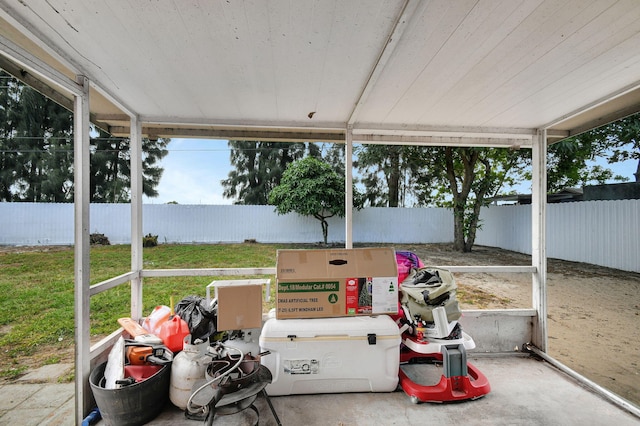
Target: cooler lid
331 328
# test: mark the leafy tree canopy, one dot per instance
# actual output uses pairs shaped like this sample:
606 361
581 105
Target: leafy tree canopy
615 142
259 167
464 179
36 152
387 171
311 187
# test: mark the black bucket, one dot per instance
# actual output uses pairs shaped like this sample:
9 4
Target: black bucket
131 405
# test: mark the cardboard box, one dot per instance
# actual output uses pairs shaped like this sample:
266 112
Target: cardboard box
336 282
239 306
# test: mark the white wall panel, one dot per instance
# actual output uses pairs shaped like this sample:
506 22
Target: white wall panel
403 225
603 233
507 227
48 223
36 224
112 220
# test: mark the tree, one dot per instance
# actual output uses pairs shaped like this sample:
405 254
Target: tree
333 154
311 187
36 152
9 92
111 170
259 167
624 142
42 130
469 176
571 161
462 179
568 165
618 141
385 170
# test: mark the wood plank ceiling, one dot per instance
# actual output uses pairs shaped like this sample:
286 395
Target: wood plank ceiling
465 72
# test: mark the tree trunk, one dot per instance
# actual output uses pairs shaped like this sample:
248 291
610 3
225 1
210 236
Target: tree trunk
393 179
477 205
458 227
473 224
325 230
468 158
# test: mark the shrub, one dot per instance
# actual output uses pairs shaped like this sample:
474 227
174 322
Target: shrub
99 239
150 240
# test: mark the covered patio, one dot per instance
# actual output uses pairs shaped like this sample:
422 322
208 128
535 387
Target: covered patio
495 73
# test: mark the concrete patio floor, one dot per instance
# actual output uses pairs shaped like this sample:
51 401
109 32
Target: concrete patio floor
524 391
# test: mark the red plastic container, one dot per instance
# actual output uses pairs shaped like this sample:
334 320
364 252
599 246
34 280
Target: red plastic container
172 332
141 372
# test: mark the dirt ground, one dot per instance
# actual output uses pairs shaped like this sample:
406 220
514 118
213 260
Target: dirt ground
593 312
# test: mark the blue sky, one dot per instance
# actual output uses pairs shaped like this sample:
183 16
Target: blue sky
194 168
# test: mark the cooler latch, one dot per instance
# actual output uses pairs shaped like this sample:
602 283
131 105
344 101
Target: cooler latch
371 337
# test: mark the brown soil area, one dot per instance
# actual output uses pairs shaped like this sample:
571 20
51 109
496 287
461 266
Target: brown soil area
593 312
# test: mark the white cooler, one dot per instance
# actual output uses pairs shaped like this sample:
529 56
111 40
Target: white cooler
331 355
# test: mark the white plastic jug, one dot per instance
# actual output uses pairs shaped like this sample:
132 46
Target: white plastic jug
160 314
188 367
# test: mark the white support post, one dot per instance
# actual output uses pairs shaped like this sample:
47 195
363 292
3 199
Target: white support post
538 238
81 200
136 217
348 187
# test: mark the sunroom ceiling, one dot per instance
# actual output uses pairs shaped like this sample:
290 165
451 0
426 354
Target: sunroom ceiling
443 72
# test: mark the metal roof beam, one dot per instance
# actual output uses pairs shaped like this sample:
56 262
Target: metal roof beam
180 122
522 139
47 71
557 134
20 56
506 132
597 103
471 141
237 134
37 84
605 119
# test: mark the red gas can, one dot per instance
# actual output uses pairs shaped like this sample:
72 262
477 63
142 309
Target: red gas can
172 332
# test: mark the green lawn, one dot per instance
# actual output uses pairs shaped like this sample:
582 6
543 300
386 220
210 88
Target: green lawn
37 293
37 302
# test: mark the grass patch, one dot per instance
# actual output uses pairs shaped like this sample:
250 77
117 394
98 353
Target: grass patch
13 373
478 298
37 287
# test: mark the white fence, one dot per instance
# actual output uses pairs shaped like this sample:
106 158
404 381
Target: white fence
603 233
